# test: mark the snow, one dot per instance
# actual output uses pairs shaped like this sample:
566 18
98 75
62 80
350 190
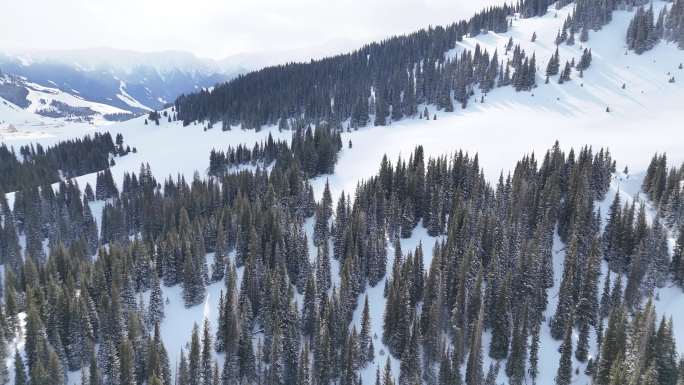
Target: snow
17 343
128 99
669 300
41 98
645 118
549 354
377 300
509 123
179 321
169 148
17 124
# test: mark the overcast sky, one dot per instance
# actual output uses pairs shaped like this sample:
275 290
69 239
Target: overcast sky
218 28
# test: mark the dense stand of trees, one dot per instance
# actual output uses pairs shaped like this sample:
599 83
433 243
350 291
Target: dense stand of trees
490 270
155 116
387 81
646 29
315 151
665 189
384 81
84 313
36 165
81 297
262 154
497 242
634 247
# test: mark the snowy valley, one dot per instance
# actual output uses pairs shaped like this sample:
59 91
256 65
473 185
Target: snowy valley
624 102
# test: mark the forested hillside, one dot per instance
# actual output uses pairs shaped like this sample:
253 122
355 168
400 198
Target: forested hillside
387 81
440 208
490 272
35 166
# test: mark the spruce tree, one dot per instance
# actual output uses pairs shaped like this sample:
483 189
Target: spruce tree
19 370
474 371
564 374
206 357
195 359
155 310
127 364
365 340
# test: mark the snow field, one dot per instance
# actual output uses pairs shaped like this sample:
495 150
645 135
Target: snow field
645 118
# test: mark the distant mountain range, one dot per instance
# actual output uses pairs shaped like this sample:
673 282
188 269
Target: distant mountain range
81 84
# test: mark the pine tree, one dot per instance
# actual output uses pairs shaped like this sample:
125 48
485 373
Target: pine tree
564 374
474 372
183 372
219 266
323 269
275 374
612 347
554 64
246 353
566 293
515 366
410 361
587 307
585 60
4 371
19 370
155 310
387 374
206 358
665 351
127 365
492 373
565 75
365 340
584 34
533 370
500 324
194 359
194 287
309 316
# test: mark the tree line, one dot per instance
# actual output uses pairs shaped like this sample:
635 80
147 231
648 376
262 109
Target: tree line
390 80
646 29
314 149
490 271
37 166
386 80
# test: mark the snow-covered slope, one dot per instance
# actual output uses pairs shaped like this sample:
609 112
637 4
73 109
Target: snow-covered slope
52 102
645 117
17 124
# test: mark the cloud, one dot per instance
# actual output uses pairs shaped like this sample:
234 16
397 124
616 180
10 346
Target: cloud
218 28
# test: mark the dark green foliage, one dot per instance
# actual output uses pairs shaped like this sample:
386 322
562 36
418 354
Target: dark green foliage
564 374
154 116
313 150
642 33
585 60
387 79
38 166
490 270
554 64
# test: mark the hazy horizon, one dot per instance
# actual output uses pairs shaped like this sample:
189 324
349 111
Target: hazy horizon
217 30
